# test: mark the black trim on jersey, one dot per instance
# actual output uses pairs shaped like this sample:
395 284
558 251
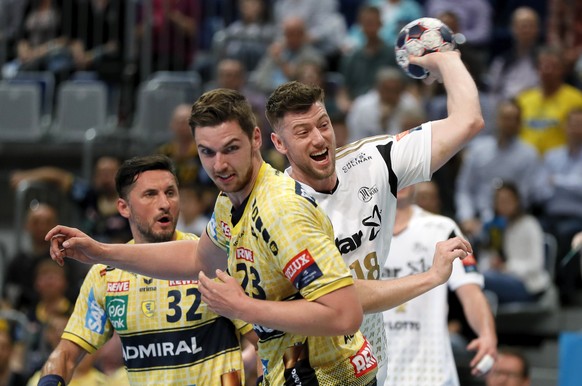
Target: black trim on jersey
301 192
236 213
181 348
452 235
384 151
330 191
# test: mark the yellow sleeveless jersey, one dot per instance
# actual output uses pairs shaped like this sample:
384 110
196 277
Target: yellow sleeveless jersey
169 336
280 247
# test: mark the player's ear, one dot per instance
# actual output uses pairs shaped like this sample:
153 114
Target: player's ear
122 207
278 143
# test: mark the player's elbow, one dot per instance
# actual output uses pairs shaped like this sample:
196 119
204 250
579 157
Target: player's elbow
348 323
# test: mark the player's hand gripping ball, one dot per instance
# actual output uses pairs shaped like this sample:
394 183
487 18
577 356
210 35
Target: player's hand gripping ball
420 37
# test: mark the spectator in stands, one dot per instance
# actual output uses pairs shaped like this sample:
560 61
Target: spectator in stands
514 71
565 29
394 15
488 159
248 38
379 110
11 16
360 66
97 198
85 373
231 73
174 28
280 63
50 284
42 44
314 73
510 369
18 286
512 253
427 196
9 376
559 193
475 19
193 208
182 149
325 25
545 108
98 38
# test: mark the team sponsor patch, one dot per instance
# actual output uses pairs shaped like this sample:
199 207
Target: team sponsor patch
244 254
364 360
211 228
118 286
148 307
116 307
302 270
95 317
470 264
225 229
173 283
399 136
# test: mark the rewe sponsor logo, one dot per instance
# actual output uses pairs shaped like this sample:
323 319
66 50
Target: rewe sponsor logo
118 286
298 264
173 283
244 254
364 361
161 349
225 229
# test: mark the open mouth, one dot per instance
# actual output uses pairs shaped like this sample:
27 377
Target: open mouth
164 220
321 156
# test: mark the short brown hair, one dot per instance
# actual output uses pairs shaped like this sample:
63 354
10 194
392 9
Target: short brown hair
294 97
223 105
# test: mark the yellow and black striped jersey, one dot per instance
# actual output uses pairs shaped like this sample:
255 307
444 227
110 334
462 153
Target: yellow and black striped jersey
168 334
280 246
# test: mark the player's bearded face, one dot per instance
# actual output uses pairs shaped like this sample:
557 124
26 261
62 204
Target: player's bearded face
309 144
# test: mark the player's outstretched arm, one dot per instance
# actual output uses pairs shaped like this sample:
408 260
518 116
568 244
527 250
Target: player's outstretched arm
181 259
464 119
382 295
480 318
336 313
61 363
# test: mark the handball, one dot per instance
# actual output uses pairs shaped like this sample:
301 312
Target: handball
420 37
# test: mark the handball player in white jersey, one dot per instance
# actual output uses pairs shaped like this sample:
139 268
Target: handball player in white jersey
357 186
419 350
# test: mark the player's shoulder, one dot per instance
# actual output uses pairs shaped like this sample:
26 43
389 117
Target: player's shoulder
275 188
434 220
363 144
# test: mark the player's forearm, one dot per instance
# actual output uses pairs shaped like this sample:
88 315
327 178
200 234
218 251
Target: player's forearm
305 317
382 295
479 315
462 94
169 260
63 360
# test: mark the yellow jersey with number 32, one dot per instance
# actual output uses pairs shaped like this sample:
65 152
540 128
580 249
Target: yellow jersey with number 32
168 335
280 247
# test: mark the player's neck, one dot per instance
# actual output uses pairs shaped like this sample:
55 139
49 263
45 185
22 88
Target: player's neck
403 216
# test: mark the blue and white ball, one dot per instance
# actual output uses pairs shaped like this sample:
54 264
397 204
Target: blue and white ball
420 37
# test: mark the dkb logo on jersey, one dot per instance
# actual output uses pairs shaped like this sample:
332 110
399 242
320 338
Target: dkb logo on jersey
302 270
116 307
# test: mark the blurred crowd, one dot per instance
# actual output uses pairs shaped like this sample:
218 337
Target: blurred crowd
515 184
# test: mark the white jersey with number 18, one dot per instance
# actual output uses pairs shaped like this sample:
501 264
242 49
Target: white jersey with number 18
362 206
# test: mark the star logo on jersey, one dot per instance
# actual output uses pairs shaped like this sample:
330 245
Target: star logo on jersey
148 307
401 309
374 221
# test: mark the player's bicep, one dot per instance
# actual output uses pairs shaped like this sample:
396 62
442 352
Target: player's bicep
209 256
